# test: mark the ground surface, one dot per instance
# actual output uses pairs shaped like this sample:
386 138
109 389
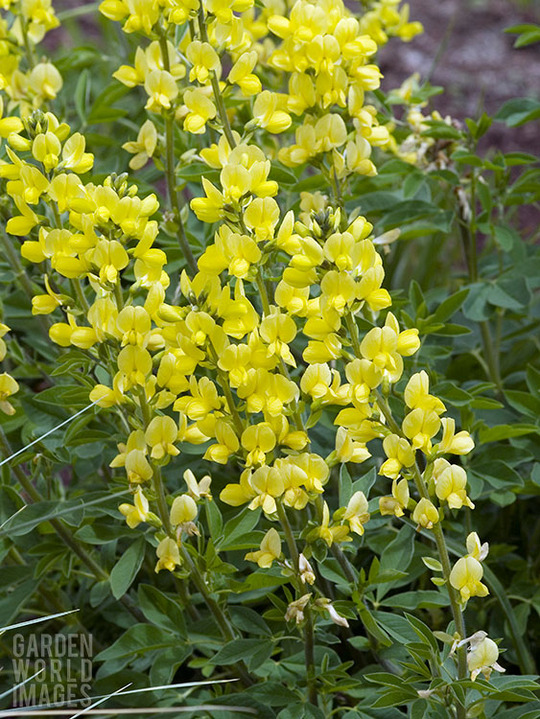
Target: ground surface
465 50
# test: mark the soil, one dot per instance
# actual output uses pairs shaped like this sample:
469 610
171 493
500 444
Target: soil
465 50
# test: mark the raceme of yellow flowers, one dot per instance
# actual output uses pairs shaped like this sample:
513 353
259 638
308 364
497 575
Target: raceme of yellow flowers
273 294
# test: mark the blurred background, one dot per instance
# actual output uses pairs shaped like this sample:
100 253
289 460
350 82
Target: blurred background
464 48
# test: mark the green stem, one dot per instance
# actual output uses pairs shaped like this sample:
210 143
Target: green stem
226 388
437 529
262 291
309 630
79 293
118 295
309 653
220 618
30 57
261 286
218 97
442 549
162 501
52 600
491 355
289 536
344 563
174 197
22 278
467 228
64 533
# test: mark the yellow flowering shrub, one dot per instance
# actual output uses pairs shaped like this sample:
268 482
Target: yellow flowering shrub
217 294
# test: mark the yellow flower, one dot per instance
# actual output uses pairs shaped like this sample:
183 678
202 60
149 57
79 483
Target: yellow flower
261 488
74 156
198 490
45 81
200 110
278 330
203 400
475 548
364 377
261 217
258 440
144 147
347 450
398 501
420 426
168 555
452 443
138 511
133 322
160 435
46 148
270 550
235 361
425 513
267 392
356 513
451 484
385 346
269 112
8 387
400 454
135 364
227 443
204 60
482 656
465 577
161 88
417 394
330 132
183 510
138 469
337 533
242 75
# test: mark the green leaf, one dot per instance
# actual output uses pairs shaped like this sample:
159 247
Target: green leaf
282 175
519 111
125 570
422 630
533 380
432 564
474 307
273 694
345 485
161 610
512 294
10 605
519 158
505 431
365 482
394 698
138 640
505 237
215 520
397 555
249 621
450 305
235 530
239 650
463 156
420 599
524 402
440 130
81 93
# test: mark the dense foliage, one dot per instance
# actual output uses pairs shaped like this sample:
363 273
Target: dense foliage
271 384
